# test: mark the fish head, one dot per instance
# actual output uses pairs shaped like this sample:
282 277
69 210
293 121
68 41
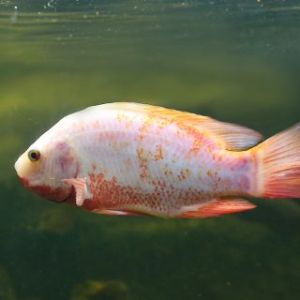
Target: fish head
44 165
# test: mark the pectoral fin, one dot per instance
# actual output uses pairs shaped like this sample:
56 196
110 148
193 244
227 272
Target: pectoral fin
215 208
81 189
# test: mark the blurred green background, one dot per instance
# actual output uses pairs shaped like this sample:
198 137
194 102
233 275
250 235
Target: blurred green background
237 61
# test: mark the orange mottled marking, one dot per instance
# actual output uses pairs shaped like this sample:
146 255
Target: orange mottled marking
124 119
168 172
189 123
143 159
108 193
184 174
159 154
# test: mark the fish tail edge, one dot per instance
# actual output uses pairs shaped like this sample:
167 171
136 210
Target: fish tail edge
278 173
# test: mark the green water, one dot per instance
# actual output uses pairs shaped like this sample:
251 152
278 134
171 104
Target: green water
237 61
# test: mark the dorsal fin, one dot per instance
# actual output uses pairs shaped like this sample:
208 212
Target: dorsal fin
235 137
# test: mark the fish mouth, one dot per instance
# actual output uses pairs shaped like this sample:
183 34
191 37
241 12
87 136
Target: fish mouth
57 195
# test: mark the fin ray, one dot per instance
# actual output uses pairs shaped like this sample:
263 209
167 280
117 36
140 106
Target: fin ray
279 165
80 185
235 137
217 207
112 212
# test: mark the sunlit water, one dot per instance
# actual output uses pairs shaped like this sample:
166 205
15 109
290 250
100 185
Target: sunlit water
237 61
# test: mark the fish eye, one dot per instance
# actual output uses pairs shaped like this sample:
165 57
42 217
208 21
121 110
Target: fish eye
34 155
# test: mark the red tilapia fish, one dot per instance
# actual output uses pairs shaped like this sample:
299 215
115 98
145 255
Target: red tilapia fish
138 159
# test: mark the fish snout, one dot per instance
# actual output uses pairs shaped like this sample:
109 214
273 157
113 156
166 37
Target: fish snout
21 173
17 166
20 166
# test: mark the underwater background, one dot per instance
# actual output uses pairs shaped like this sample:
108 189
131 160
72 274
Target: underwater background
237 61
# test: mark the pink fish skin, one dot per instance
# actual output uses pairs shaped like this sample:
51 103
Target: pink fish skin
138 159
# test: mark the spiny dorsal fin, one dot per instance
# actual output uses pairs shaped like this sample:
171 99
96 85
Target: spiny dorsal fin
235 137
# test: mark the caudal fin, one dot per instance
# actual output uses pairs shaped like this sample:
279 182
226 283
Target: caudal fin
279 165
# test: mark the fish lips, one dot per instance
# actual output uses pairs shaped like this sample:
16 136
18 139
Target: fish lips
59 194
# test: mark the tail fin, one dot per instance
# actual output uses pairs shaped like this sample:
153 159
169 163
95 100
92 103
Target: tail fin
279 165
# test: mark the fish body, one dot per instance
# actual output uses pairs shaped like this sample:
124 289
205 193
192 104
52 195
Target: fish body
137 159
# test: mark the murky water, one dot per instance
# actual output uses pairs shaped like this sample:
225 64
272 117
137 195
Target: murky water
237 61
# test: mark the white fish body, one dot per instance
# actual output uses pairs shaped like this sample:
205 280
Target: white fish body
127 158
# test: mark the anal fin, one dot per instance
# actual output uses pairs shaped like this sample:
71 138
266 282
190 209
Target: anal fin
111 212
217 207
